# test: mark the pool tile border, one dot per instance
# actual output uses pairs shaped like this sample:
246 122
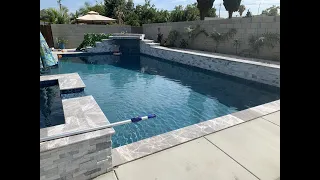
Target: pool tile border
136 150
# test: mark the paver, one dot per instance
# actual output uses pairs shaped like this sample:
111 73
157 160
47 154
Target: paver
254 144
274 117
197 159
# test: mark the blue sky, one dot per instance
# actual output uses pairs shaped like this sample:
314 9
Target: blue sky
253 5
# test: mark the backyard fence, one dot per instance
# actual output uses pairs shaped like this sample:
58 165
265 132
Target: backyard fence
74 33
245 27
47 34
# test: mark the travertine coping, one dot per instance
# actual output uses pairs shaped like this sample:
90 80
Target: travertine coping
80 113
125 37
130 152
70 81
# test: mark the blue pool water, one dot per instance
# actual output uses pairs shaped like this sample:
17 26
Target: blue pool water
51 110
180 95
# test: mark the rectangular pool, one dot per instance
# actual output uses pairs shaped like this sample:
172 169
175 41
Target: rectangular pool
180 95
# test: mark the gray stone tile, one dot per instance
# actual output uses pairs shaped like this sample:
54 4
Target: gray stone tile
66 81
246 114
274 117
80 113
197 159
163 141
254 144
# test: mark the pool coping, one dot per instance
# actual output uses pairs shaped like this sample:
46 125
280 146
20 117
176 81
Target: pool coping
145 147
81 113
70 82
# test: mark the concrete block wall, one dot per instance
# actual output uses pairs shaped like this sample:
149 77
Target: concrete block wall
245 27
74 32
83 160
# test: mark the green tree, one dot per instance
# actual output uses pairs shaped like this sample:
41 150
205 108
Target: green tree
162 16
99 8
146 12
129 6
204 6
271 11
132 19
55 16
177 14
111 5
212 12
231 6
242 8
191 12
74 16
119 13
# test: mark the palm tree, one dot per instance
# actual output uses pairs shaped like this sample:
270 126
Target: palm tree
242 8
60 5
55 16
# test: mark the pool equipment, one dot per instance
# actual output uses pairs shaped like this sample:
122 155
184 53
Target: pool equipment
72 133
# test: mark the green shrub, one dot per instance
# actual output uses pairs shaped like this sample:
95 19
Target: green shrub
90 39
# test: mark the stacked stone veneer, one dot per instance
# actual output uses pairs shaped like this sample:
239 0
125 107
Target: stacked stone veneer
106 45
82 156
82 160
255 71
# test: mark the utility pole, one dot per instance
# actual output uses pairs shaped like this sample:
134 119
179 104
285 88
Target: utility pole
219 9
259 8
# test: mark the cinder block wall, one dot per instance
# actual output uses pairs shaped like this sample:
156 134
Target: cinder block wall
245 27
74 32
83 160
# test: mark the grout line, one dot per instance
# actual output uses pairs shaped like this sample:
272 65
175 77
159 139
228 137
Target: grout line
115 173
232 158
270 121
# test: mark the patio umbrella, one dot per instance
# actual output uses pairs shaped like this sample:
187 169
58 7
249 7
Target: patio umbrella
46 57
94 17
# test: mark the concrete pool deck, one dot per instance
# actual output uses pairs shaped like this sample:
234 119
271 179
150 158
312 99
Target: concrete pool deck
250 150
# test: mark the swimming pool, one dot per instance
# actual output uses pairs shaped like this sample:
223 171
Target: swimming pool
180 95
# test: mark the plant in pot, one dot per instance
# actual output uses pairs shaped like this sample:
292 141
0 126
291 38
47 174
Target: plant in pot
61 42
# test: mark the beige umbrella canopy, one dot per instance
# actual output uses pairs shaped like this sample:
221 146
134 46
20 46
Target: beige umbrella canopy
93 17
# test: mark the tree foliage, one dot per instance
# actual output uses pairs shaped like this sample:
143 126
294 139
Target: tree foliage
204 6
242 8
127 13
231 6
111 5
271 11
55 16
